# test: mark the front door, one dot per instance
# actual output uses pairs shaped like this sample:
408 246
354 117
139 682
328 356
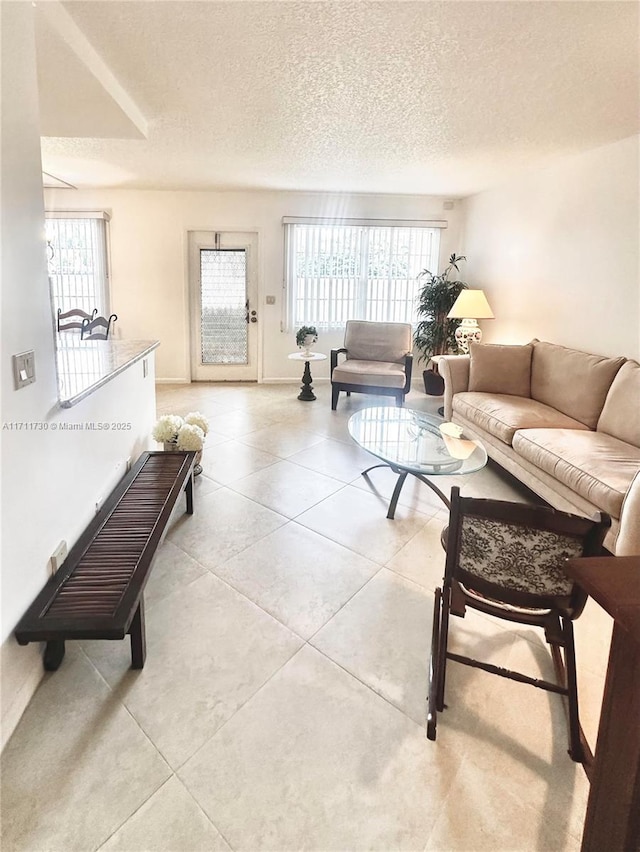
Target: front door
223 297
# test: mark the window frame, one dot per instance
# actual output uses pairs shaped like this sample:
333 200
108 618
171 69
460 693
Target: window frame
101 289
291 318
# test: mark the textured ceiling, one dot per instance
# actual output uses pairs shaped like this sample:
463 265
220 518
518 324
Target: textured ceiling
407 97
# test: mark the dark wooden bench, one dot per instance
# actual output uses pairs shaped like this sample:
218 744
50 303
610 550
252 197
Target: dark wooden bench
98 591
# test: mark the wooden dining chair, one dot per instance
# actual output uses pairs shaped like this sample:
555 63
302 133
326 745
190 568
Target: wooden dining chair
72 320
505 560
97 328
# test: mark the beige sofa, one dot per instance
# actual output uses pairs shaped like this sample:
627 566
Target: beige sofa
564 422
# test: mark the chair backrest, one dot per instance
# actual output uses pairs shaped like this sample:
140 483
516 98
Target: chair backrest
514 553
73 319
377 341
98 328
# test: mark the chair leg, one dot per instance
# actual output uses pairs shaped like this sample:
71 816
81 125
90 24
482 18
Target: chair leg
348 393
335 392
399 400
432 710
575 745
442 647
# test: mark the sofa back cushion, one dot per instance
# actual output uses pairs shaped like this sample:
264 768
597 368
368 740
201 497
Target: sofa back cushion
621 413
377 341
500 369
575 383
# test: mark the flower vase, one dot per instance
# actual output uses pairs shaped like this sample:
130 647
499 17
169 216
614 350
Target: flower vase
307 344
172 447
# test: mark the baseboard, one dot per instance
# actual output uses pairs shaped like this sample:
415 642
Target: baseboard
172 381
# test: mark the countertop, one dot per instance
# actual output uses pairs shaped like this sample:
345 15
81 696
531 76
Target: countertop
85 365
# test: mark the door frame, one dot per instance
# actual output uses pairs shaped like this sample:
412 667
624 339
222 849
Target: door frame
193 297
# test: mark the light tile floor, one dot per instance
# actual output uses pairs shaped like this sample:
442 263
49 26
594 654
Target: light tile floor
282 702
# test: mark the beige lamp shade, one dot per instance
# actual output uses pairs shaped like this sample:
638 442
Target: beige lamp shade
471 304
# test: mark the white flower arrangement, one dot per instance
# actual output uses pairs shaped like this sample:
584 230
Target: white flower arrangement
190 437
188 433
197 419
166 429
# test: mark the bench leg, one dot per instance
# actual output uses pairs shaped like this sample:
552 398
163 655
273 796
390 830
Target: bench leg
138 638
53 655
188 490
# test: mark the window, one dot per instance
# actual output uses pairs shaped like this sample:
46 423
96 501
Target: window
77 260
356 269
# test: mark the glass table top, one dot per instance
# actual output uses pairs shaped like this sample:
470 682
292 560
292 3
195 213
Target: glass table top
412 441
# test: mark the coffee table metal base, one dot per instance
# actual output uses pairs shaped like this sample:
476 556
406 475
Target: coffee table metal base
402 475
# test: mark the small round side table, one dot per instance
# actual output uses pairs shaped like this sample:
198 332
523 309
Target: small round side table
306 391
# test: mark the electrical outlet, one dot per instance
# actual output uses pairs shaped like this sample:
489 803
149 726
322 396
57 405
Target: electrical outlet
271 300
127 464
58 556
99 503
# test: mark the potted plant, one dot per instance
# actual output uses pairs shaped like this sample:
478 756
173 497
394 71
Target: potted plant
306 337
434 333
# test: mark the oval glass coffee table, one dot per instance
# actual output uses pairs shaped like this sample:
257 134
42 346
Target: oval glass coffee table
411 442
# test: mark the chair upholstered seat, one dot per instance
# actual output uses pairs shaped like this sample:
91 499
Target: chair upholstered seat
372 373
378 360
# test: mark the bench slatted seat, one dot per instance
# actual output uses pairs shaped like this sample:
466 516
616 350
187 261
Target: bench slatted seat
98 591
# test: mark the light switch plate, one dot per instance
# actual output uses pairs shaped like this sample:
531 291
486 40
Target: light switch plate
24 369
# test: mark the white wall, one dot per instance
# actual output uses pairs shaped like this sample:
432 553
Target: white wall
557 252
50 479
149 257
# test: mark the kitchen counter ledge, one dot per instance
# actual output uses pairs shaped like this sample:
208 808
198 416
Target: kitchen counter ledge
85 365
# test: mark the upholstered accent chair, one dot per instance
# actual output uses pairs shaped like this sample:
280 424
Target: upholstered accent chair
505 559
378 360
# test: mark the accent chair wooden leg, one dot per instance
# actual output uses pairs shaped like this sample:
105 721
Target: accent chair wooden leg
53 655
442 647
575 745
335 393
138 638
432 707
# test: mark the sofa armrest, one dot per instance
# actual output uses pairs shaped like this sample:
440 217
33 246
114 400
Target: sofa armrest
454 369
628 540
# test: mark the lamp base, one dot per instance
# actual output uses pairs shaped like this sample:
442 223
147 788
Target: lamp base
468 332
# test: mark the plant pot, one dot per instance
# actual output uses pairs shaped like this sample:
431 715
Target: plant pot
433 383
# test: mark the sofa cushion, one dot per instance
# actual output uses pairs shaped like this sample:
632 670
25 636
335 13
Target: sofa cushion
574 382
371 373
377 341
502 414
597 466
621 413
500 369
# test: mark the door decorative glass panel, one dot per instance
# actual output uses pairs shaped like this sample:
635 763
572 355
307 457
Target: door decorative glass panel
223 329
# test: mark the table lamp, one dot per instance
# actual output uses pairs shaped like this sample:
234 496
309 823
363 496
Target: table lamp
470 306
